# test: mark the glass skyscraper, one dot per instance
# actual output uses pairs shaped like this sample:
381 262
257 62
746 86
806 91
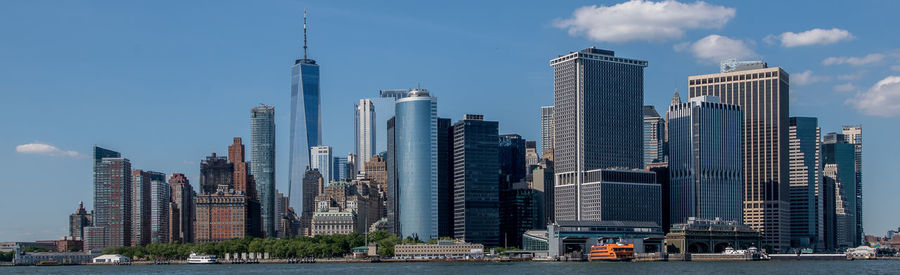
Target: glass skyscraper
476 187
417 164
321 160
854 136
159 208
262 164
839 153
806 184
306 121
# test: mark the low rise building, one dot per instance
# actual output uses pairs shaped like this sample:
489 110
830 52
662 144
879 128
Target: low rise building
110 259
65 258
333 221
573 239
710 236
221 216
443 249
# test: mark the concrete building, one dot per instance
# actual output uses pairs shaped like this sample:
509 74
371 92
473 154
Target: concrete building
440 250
705 160
532 158
654 135
763 93
160 199
112 201
854 136
417 164
306 131
710 236
222 215
262 155
475 182
141 208
320 159
376 171
183 196
312 184
245 184
78 221
215 171
542 181
365 133
597 119
547 130
807 222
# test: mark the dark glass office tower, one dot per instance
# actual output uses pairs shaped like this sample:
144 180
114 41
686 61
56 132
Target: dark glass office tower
475 181
262 164
839 157
512 159
806 184
306 121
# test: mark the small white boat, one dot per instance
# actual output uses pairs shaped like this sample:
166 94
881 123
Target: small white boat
195 258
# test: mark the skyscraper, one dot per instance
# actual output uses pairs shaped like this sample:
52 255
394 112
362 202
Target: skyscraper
183 198
215 171
141 206
546 130
340 171
763 93
838 152
392 203
112 201
365 133
597 143
475 182
417 164
705 162
320 157
262 163
446 196
243 181
511 158
159 208
654 135
312 179
531 155
306 124
78 221
806 183
854 136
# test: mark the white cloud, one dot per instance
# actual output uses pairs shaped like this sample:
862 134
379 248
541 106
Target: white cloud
883 99
37 148
806 78
846 87
644 20
811 37
855 61
715 48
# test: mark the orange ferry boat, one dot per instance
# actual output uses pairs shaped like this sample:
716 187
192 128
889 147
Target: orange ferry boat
612 252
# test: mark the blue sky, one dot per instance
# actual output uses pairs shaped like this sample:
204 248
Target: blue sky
168 82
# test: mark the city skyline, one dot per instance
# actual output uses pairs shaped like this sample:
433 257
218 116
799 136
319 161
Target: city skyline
171 153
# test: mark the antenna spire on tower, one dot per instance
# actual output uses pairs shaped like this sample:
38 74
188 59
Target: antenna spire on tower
304 33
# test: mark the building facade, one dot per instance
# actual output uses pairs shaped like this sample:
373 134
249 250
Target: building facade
854 136
320 159
183 195
312 184
112 201
705 160
340 169
654 135
78 221
417 164
215 171
512 159
475 183
365 133
306 125
221 215
807 221
159 208
141 208
763 93
547 130
839 157
262 161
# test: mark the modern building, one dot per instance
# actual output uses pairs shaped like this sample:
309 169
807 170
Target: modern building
141 208
441 249
547 130
112 201
392 204
320 159
159 208
807 222
854 136
78 221
597 145
183 198
661 169
416 162
312 182
710 236
542 181
521 209
476 188
654 135
222 215
839 157
262 160
446 194
306 129
340 169
763 93
512 159
215 171
532 158
573 239
365 133
706 167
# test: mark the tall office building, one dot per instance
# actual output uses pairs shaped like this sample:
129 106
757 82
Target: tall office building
78 221
547 130
417 164
262 164
320 159
654 135
141 208
475 182
183 198
512 159
306 127
806 183
215 171
159 208
838 152
312 179
446 196
365 133
245 184
597 146
854 136
763 93
705 163
392 203
112 201
340 171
